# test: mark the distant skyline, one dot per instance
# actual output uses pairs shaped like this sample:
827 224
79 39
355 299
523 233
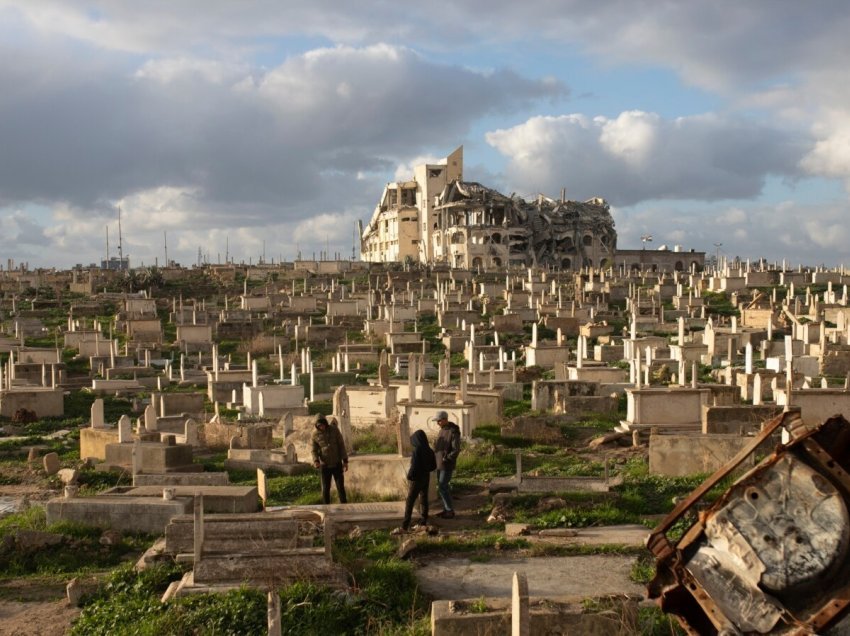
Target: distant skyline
271 127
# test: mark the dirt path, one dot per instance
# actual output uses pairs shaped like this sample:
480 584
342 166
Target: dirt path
31 607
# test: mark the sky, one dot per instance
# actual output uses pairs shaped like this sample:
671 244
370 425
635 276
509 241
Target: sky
263 129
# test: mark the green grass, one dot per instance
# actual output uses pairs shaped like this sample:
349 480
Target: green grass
77 549
383 600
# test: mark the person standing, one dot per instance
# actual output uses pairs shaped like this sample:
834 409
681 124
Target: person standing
446 449
422 463
330 456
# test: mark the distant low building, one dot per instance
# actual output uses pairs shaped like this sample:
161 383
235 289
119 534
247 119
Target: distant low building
115 264
662 259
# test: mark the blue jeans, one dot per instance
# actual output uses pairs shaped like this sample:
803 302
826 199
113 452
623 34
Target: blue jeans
444 476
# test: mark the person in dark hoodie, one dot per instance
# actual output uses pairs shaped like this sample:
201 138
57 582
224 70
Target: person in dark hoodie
446 448
422 463
330 456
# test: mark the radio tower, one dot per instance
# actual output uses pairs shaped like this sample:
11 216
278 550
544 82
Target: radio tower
120 243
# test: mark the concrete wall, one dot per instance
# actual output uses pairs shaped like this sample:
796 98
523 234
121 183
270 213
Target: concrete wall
817 405
93 442
194 334
274 397
681 455
544 392
125 514
177 403
670 407
368 405
44 402
218 435
546 357
383 476
737 420
488 404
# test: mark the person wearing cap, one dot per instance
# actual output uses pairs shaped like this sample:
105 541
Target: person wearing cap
330 456
446 448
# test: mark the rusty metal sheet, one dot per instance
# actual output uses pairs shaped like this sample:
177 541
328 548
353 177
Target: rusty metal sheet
770 555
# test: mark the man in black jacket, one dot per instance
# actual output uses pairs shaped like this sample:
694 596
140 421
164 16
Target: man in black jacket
446 448
330 456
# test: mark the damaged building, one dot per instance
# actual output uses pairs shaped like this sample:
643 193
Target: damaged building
440 218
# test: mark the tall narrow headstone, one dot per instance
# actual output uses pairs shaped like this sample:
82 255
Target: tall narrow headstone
125 430
262 486
97 414
150 418
757 389
520 612
190 432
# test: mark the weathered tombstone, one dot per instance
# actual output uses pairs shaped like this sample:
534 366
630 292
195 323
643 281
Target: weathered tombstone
384 375
74 592
403 436
136 459
262 485
343 413
520 615
51 463
198 526
287 424
97 414
291 455
150 418
125 430
274 623
190 432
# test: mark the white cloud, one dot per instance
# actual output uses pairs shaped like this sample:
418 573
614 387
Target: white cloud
640 156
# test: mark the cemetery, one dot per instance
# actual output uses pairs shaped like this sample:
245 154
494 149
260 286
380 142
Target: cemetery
156 445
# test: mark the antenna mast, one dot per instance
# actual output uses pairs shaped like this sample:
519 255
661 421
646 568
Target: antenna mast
165 243
120 245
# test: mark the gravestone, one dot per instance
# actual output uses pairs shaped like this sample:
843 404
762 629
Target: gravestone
262 485
190 432
150 418
51 463
520 616
125 430
97 414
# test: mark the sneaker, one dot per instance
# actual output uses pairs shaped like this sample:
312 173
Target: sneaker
447 514
398 531
421 525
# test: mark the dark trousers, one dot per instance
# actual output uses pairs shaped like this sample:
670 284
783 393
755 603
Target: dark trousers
418 488
338 477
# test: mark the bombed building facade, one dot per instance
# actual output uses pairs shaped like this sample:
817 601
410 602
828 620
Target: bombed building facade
439 218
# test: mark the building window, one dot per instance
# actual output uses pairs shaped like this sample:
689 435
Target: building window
496 238
679 266
497 262
458 238
587 240
566 263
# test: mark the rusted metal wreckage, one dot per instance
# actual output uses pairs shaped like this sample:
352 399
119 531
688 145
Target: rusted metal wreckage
770 555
